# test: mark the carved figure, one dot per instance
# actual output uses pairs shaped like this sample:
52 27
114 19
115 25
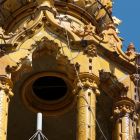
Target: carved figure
130 50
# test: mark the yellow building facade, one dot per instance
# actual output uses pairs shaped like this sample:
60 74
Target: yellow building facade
64 58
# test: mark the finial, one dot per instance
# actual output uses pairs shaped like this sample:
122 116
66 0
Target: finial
131 47
131 50
116 21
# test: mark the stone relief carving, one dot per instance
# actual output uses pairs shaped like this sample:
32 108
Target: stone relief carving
91 50
88 30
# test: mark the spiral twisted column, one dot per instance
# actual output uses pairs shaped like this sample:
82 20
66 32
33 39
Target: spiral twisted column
125 120
87 90
5 94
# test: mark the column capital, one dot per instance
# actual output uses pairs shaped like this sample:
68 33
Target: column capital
6 85
125 119
124 107
85 81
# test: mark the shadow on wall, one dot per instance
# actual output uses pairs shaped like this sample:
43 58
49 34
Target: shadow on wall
22 123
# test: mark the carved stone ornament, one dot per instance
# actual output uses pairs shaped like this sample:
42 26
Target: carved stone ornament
131 51
5 48
46 60
91 50
45 43
123 107
116 21
112 86
88 30
46 55
5 37
6 85
86 81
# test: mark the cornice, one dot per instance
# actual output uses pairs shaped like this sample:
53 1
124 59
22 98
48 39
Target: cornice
27 31
110 53
69 6
7 9
45 19
123 63
80 13
110 84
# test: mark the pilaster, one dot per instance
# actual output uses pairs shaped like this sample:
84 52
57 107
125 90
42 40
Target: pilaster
87 90
125 119
5 94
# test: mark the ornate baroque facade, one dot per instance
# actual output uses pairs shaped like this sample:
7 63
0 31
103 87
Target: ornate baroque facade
64 58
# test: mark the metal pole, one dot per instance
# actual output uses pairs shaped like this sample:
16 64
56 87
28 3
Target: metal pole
39 124
39 121
38 135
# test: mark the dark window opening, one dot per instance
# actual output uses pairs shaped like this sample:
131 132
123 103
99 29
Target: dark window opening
49 88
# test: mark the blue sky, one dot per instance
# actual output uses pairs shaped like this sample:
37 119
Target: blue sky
129 12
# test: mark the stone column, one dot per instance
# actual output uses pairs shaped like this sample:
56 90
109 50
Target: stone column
5 93
124 120
86 108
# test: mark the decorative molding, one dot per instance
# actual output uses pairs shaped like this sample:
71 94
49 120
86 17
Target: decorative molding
125 119
10 11
85 81
50 47
123 107
46 55
5 37
85 33
39 23
46 47
110 84
6 85
28 31
5 48
45 20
